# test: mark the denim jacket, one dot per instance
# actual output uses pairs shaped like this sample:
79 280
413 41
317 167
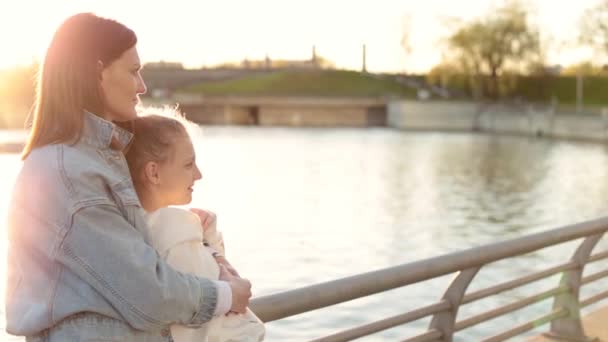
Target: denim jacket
77 244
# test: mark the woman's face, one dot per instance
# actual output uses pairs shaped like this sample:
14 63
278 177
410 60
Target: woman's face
121 84
178 174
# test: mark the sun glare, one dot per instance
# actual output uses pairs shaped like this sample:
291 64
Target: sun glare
198 33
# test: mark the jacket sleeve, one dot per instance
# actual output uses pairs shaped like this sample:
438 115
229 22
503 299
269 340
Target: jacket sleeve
107 252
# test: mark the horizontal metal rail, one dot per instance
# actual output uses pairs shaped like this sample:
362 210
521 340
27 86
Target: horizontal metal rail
443 326
594 299
522 303
490 291
594 277
293 302
430 335
374 327
598 256
520 329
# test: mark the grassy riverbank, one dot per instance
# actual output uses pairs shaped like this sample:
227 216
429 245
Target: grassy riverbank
326 83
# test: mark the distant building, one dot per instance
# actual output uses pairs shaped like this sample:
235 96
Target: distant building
268 63
315 62
164 65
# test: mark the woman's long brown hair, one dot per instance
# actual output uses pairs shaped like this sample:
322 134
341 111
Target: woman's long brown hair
68 81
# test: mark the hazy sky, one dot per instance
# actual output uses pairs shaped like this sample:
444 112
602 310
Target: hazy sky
210 32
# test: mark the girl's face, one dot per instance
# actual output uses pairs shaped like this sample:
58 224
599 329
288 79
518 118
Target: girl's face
121 85
178 174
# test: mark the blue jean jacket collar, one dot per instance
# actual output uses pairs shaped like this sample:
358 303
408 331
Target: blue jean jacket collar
99 132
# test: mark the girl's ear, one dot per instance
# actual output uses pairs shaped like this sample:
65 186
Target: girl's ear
151 173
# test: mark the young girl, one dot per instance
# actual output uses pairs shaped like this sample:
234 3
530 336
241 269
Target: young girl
162 163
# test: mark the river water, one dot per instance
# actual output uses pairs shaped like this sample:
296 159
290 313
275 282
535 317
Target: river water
302 206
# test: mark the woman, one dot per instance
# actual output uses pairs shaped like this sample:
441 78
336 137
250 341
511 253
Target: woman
79 267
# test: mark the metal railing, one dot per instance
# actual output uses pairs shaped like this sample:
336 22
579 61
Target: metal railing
564 316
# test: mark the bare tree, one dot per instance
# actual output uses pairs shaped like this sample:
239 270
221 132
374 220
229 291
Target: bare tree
406 35
594 27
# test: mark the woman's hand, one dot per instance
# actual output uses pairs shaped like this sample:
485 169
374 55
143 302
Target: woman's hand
222 261
241 290
208 218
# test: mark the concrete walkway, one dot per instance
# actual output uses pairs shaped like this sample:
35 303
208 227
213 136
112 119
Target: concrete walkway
595 325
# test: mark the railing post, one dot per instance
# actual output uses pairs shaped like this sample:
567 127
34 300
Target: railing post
570 327
445 321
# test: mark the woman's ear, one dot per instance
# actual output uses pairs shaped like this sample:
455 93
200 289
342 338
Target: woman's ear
151 173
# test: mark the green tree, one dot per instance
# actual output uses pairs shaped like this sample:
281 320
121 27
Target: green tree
450 75
486 47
